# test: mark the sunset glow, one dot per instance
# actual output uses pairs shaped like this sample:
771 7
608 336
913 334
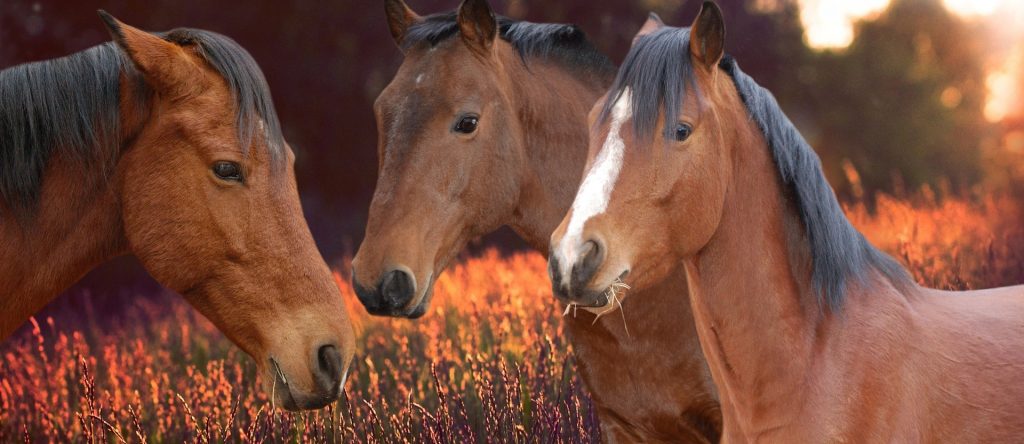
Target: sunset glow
1004 94
829 24
972 7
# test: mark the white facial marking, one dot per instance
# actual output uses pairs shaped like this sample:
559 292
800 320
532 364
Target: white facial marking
419 79
596 189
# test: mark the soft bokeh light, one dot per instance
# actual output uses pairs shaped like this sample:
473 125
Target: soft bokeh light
1004 95
829 23
972 7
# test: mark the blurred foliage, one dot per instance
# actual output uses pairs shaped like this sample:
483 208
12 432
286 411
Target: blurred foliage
904 101
490 362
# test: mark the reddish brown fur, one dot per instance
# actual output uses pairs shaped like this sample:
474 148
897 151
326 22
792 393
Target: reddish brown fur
417 223
240 253
893 365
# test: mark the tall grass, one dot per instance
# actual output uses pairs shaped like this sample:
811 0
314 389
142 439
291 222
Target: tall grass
489 362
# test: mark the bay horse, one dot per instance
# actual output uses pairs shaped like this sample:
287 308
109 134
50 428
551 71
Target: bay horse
484 125
167 146
811 334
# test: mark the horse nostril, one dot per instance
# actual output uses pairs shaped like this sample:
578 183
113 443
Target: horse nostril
366 295
555 273
397 289
590 258
329 367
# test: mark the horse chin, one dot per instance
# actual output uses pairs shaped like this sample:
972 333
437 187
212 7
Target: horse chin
278 387
283 393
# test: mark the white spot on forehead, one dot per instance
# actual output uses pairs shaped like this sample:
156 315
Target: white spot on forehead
419 78
596 189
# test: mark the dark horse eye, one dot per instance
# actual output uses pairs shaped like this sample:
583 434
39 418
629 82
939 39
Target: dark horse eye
467 124
683 131
228 170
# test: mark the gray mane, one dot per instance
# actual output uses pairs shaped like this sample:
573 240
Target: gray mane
70 106
658 71
566 44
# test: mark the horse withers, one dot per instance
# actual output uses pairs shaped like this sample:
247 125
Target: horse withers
168 147
811 334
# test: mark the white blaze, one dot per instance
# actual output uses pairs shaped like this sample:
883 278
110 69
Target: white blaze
596 189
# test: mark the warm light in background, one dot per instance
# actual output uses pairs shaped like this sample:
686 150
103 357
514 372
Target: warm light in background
972 7
1004 96
829 23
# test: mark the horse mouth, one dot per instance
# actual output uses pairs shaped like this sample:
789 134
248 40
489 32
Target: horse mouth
287 399
300 401
612 298
600 299
419 309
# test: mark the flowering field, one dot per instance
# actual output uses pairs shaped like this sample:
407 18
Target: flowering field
490 360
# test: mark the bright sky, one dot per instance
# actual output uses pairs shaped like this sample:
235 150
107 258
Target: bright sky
829 25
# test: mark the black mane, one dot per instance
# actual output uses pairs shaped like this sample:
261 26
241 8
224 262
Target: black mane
566 44
657 71
71 106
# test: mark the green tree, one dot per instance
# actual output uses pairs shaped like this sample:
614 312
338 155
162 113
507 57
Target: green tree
905 99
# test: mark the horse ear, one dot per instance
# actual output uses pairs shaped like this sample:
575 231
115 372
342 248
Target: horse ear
400 18
652 24
477 25
707 35
162 63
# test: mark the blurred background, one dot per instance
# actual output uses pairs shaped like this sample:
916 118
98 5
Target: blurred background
895 95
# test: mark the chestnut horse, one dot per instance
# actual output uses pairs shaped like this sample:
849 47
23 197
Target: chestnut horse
812 335
484 125
168 147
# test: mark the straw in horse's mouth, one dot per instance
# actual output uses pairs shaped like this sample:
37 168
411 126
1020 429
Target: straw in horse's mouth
613 297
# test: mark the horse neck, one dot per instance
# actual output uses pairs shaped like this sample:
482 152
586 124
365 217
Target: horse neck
552 105
75 227
752 300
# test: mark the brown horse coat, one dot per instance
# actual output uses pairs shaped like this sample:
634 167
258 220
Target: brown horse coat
484 125
811 334
167 147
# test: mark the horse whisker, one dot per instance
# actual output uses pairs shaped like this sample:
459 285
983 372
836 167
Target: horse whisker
614 290
273 390
570 306
623 313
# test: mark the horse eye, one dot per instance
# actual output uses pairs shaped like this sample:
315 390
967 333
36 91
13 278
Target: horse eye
467 124
228 171
683 131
